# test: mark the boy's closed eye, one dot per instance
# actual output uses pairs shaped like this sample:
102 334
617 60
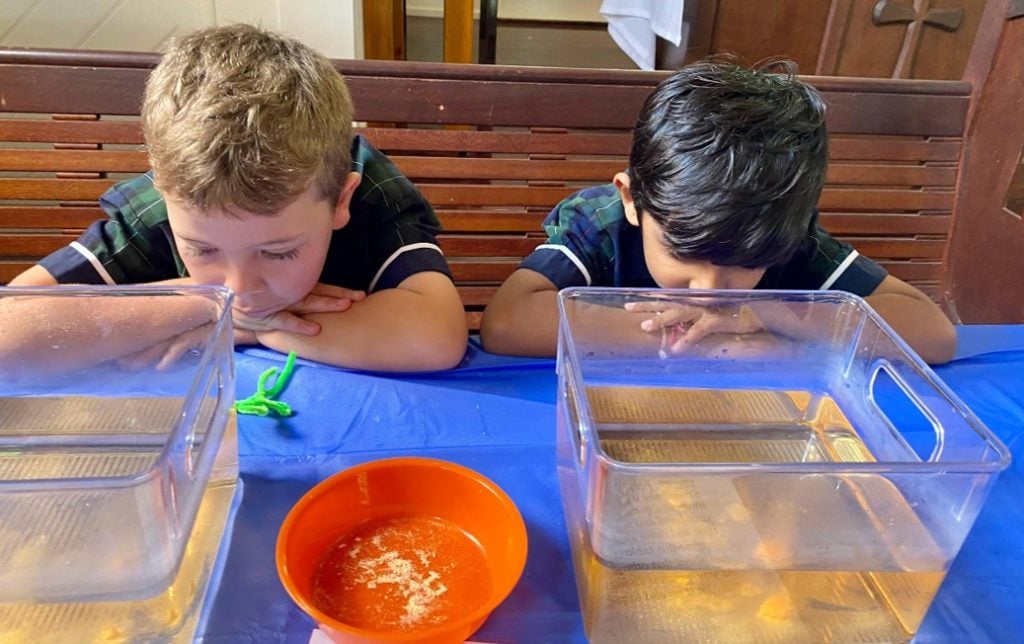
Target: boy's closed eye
280 255
199 251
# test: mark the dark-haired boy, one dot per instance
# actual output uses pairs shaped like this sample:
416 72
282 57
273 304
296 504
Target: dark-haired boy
724 175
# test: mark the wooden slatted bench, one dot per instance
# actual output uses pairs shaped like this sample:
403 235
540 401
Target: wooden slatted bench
493 148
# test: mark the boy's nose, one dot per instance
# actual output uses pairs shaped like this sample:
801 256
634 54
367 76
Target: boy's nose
240 280
712 281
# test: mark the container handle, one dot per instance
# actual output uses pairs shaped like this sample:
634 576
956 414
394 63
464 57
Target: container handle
889 370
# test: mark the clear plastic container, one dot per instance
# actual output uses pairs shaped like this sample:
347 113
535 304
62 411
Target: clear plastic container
797 476
115 404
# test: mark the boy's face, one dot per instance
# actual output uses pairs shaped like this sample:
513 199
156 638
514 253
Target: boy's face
669 271
269 261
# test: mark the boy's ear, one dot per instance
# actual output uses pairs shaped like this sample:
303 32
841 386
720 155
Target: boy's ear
341 210
621 182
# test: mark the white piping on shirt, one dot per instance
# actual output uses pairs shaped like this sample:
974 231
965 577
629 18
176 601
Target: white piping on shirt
394 256
95 261
839 271
572 257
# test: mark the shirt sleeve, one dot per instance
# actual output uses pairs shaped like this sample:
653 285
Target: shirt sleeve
828 264
132 246
577 248
402 227
406 246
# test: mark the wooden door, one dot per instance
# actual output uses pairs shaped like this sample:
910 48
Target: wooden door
921 39
984 278
926 39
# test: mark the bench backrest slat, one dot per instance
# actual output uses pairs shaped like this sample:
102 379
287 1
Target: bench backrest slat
493 148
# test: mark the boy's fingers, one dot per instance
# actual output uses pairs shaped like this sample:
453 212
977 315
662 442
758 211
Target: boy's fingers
321 304
285 321
657 322
749 322
665 308
707 325
173 354
144 358
179 346
245 337
339 292
672 317
682 315
646 307
280 321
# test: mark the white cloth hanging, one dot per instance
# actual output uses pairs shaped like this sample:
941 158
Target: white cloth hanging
635 24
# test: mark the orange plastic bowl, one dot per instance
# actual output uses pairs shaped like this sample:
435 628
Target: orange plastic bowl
397 487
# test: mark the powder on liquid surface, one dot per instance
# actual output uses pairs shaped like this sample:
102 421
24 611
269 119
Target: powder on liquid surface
402 573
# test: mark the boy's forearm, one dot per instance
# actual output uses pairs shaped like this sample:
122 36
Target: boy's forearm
920 323
44 334
525 325
392 330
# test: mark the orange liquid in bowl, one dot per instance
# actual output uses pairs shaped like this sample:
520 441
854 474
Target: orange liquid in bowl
402 574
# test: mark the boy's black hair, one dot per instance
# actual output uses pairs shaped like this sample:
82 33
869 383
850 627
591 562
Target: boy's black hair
730 161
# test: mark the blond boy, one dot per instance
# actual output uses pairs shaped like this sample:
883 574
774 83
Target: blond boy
258 184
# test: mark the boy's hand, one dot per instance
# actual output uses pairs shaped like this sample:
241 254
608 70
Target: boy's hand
166 352
682 326
245 337
324 298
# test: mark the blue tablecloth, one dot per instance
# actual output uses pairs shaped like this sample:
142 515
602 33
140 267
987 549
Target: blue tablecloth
497 416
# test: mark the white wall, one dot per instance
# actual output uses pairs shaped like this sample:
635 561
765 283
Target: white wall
332 26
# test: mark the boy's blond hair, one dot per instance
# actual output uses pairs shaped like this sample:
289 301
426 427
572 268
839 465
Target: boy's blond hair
240 119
